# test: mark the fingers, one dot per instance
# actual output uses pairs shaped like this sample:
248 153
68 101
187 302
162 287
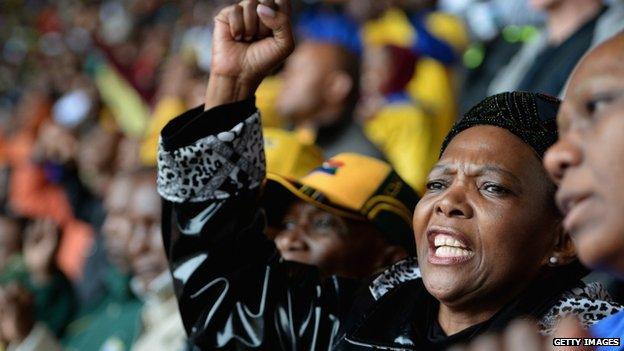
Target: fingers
269 3
279 23
250 19
255 19
263 30
486 343
236 22
284 7
570 327
522 335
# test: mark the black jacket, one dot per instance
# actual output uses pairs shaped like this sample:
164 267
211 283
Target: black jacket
234 290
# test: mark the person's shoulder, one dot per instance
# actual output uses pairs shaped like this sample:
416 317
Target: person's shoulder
397 276
590 303
393 277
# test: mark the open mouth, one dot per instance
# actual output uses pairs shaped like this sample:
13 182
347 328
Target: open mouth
575 208
448 247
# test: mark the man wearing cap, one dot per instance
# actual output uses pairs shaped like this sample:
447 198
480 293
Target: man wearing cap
235 290
295 172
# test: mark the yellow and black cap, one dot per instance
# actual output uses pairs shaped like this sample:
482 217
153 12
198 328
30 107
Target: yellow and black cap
351 186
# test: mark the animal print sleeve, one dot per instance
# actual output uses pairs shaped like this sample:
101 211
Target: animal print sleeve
212 167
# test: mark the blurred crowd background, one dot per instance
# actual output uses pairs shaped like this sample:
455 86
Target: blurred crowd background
86 87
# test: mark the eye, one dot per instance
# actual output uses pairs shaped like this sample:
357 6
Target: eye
323 222
495 189
598 104
436 185
289 224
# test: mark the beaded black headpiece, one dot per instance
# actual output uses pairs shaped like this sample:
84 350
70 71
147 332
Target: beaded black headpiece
530 116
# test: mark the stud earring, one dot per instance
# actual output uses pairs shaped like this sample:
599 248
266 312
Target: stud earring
553 260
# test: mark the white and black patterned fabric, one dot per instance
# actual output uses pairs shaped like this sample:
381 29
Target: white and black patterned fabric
206 169
589 303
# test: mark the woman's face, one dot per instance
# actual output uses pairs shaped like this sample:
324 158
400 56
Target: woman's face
338 247
588 160
486 223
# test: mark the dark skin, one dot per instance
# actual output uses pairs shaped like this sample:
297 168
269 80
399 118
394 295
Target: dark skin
41 241
16 313
337 246
117 228
315 87
586 164
96 153
10 243
375 80
490 191
587 160
239 65
146 253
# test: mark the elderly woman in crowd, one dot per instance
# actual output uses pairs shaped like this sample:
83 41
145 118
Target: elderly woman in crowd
586 163
489 243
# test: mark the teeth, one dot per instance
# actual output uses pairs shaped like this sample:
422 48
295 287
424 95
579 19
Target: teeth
447 240
447 251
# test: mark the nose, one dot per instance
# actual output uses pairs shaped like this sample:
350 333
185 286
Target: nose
140 241
561 157
454 203
290 240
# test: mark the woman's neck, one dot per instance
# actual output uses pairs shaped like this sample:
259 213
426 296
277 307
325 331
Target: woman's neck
455 318
453 321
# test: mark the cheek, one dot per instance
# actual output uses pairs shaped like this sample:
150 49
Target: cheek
600 248
422 215
513 240
604 155
329 248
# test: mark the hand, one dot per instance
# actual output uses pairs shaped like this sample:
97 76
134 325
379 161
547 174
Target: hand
17 316
40 244
249 41
571 328
523 336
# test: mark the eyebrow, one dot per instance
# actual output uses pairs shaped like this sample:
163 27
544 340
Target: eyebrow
479 170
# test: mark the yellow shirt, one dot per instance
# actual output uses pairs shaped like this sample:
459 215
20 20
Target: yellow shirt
407 136
266 97
166 109
433 85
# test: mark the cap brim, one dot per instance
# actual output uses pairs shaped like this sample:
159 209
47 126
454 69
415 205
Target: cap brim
279 190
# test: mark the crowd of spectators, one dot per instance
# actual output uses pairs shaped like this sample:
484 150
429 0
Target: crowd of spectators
87 86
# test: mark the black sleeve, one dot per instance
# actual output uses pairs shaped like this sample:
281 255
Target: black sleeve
233 289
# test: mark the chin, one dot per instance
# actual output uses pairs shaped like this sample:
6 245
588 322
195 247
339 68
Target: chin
606 258
599 250
297 257
443 287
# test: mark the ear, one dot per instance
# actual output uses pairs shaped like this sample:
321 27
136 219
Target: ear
564 250
338 85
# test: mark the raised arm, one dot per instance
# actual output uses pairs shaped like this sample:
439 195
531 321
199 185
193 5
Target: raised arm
250 40
232 287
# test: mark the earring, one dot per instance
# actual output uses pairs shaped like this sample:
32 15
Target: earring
553 261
